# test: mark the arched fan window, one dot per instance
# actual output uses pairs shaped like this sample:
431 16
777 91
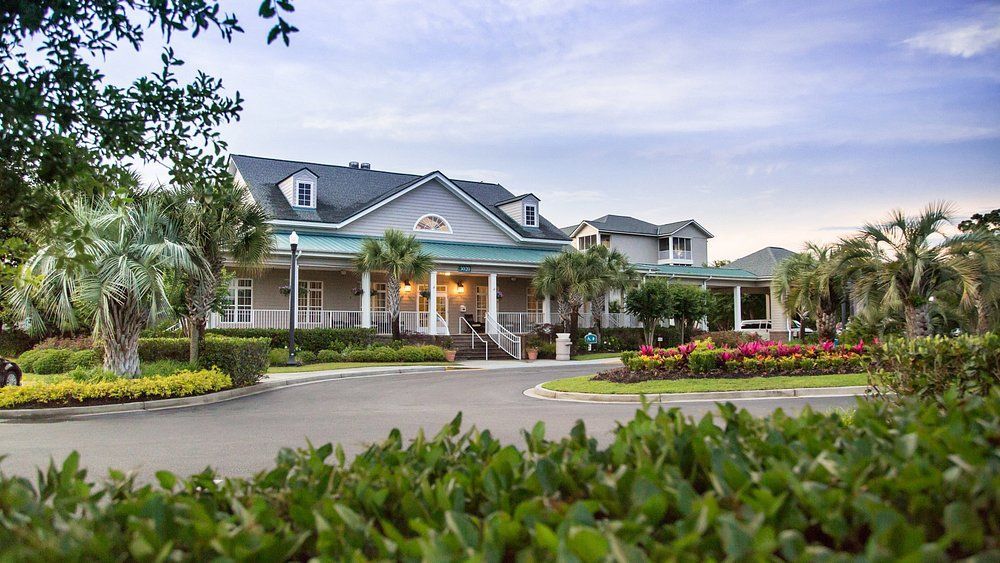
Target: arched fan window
434 223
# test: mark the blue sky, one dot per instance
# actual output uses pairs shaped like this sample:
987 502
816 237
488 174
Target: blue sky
771 123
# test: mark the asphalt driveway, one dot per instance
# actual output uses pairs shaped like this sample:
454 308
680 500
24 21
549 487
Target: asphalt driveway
242 436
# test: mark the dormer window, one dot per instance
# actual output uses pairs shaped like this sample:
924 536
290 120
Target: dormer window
304 194
434 223
530 215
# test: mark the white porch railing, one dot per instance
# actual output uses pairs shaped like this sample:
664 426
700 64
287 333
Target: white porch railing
505 339
409 321
462 321
520 322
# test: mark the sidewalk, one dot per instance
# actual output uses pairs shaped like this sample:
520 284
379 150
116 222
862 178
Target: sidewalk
512 364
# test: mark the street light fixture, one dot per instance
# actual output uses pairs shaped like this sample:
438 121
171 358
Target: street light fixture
293 296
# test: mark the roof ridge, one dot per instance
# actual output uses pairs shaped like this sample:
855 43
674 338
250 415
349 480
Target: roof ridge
307 162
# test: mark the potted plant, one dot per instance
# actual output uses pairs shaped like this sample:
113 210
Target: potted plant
358 290
532 343
285 290
426 294
449 349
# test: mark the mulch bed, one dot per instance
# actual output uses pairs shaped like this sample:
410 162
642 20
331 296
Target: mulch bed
625 375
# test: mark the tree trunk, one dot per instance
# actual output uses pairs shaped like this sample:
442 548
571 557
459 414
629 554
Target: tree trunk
199 299
597 312
649 331
802 327
197 336
121 339
565 312
982 316
392 299
918 321
574 323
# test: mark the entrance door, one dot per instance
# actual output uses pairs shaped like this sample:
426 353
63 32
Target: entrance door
442 304
482 302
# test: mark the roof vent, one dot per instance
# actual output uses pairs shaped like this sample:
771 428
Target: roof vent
353 164
366 166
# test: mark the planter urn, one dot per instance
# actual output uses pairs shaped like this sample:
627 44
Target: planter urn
449 355
532 354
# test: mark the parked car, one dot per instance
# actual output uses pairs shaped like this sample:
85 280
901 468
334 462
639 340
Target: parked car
10 373
762 327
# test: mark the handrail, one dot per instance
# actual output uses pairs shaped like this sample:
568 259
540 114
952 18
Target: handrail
505 339
475 335
443 323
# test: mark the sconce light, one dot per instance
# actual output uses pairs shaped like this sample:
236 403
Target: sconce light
459 288
407 287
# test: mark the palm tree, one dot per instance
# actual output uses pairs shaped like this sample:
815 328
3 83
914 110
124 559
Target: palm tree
804 284
900 264
401 257
571 278
219 222
114 273
618 275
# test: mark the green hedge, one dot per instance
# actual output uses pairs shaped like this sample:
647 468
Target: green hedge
243 359
164 348
311 339
116 390
914 482
928 366
13 343
426 353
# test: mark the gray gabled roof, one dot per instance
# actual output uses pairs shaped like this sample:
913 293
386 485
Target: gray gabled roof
342 192
762 262
633 226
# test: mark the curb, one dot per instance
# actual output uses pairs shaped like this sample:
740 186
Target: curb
540 392
59 413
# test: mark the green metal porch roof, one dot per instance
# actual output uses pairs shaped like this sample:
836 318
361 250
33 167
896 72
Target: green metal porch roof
450 251
696 271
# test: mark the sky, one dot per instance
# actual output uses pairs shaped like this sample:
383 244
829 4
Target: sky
770 123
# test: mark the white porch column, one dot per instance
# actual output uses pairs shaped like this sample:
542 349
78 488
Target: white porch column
767 306
491 299
547 310
704 320
366 299
432 285
737 307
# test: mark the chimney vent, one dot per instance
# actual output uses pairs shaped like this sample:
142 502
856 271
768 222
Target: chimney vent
353 164
366 166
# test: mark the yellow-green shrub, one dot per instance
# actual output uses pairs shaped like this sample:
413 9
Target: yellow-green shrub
70 392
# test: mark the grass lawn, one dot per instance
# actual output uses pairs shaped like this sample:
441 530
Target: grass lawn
597 355
346 365
583 384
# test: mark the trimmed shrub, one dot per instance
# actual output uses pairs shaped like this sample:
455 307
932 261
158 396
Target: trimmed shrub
51 360
278 356
327 356
305 357
547 350
703 361
245 360
915 483
928 366
163 348
83 359
119 390
311 339
13 343
85 342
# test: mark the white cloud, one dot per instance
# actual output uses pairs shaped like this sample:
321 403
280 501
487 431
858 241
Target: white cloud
961 39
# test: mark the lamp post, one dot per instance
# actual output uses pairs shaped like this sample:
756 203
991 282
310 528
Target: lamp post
293 297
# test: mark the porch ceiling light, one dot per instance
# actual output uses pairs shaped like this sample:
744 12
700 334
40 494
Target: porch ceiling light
459 288
407 287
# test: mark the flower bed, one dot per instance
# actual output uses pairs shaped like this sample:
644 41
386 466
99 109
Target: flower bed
74 393
750 359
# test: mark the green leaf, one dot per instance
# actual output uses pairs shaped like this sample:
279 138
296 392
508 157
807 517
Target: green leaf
587 543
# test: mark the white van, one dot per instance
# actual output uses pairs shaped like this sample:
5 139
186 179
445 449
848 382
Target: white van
762 327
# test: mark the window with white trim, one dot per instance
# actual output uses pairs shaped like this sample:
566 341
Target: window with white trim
310 301
530 215
304 194
238 306
378 297
682 248
585 242
534 304
482 302
434 223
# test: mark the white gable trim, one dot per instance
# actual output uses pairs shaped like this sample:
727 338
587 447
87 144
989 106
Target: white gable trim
447 184
580 226
691 222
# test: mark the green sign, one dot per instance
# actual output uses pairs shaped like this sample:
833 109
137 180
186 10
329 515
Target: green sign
590 338
465 268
